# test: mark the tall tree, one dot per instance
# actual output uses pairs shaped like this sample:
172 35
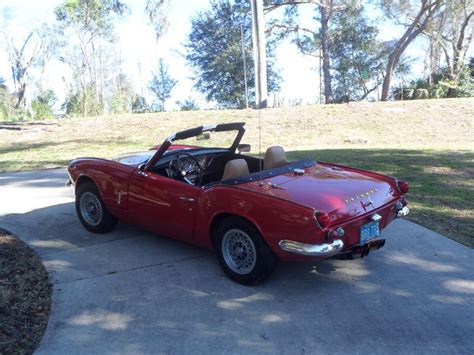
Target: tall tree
162 84
88 23
157 12
24 53
417 15
214 50
450 34
317 43
121 97
356 55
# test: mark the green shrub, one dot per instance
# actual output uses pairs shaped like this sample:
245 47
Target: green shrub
42 105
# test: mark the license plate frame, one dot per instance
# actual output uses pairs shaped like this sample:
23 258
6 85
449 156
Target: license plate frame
368 232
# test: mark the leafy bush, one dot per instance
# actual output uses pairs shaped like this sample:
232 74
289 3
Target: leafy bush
119 104
42 105
187 105
7 105
139 105
78 104
440 87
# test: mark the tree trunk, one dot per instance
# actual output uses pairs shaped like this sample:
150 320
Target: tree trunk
417 26
101 77
325 51
84 90
20 96
454 72
459 51
388 78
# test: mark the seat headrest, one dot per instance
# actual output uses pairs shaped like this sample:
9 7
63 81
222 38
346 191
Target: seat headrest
235 168
275 157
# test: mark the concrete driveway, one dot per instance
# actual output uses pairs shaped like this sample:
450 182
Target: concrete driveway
133 292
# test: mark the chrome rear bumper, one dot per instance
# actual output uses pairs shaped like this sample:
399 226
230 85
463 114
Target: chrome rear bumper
324 250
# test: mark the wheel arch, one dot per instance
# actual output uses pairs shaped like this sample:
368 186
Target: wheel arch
83 179
219 217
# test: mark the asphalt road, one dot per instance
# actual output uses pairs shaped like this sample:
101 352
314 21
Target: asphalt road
133 292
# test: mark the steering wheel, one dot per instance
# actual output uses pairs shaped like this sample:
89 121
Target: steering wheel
180 168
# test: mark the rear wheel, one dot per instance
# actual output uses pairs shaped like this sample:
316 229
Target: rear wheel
242 253
91 210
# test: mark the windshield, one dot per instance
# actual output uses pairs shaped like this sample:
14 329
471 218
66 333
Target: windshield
210 139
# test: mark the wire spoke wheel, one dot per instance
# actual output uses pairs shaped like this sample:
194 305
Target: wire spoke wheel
91 208
238 251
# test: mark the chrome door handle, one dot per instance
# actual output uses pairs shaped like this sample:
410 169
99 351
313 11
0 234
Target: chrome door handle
188 199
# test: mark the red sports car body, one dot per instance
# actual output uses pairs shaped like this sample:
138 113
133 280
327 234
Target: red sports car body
251 211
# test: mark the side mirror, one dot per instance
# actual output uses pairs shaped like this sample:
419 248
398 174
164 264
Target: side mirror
141 169
245 148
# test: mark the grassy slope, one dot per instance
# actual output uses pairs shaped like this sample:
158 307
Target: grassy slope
428 143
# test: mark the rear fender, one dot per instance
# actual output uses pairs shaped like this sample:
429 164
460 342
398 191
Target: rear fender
275 219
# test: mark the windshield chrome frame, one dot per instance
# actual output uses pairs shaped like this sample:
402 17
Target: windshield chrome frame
194 132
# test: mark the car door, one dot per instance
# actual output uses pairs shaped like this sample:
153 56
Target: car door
163 205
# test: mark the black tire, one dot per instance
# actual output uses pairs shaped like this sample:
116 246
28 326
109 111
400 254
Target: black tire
105 221
259 269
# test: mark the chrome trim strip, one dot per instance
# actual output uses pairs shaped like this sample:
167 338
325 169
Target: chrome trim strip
376 217
403 212
208 127
324 249
171 138
187 199
316 218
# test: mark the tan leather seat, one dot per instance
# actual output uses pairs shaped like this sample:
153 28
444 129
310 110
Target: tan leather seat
235 168
275 157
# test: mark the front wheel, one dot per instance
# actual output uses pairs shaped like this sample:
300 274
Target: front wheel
242 253
92 211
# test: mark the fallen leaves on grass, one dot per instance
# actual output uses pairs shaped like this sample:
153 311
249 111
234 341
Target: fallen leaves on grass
25 296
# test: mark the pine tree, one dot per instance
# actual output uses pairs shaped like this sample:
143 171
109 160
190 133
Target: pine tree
162 84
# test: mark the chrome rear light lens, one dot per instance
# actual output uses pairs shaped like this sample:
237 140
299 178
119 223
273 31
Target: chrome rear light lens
335 233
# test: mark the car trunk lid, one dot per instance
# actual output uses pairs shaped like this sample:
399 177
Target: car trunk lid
339 192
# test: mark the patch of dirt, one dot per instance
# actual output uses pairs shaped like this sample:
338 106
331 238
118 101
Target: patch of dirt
25 296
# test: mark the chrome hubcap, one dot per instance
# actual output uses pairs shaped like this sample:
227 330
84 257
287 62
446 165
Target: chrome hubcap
91 209
239 251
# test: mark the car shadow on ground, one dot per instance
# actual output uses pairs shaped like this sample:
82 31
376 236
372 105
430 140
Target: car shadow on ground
132 291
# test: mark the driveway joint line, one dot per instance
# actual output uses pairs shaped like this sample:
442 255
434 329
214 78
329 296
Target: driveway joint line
75 247
131 269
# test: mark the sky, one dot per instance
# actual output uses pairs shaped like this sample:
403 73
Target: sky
140 51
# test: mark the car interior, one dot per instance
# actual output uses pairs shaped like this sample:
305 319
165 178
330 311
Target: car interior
201 167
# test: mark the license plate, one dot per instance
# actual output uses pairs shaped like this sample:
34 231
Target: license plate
369 231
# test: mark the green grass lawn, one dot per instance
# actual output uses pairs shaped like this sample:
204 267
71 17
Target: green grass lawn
429 143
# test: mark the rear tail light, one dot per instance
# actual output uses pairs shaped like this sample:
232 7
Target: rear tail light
322 219
402 186
334 234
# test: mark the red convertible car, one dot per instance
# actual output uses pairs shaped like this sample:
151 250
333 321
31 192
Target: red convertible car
251 211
